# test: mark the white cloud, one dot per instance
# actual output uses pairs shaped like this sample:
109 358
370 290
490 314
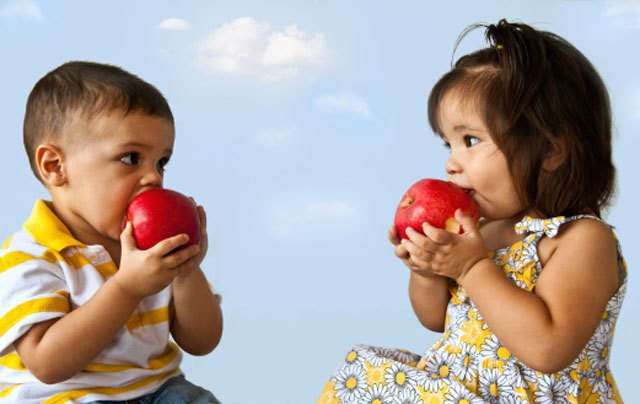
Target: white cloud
293 218
245 46
624 12
269 137
174 24
346 101
21 8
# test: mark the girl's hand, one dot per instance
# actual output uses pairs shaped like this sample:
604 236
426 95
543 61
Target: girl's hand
197 259
402 253
145 272
439 252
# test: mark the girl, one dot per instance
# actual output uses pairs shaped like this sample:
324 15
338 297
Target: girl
528 299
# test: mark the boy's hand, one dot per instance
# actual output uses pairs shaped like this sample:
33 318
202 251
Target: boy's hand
196 260
145 272
439 252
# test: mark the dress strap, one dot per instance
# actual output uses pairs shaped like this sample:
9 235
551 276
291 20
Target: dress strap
550 226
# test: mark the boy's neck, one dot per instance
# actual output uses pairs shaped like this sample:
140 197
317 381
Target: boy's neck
82 231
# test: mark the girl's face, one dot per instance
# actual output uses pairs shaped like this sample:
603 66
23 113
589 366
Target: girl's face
475 162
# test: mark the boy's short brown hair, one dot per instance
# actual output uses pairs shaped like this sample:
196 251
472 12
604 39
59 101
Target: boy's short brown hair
539 96
87 89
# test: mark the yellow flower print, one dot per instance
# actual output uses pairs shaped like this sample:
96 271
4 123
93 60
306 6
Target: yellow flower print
375 374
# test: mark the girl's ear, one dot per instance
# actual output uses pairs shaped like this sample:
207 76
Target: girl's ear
50 163
556 156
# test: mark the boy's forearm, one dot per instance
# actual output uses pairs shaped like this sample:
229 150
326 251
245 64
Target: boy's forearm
67 346
429 299
197 322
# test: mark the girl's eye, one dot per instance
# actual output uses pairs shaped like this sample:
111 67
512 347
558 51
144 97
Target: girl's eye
446 145
130 159
162 163
470 141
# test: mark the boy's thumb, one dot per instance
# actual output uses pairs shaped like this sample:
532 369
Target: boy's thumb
126 237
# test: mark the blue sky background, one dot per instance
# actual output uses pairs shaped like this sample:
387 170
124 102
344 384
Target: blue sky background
299 126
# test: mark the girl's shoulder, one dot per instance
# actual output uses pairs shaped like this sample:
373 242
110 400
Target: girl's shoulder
584 233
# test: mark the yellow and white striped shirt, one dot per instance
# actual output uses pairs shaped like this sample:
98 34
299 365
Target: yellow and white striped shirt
44 274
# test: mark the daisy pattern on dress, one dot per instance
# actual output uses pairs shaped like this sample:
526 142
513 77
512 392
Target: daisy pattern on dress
355 357
465 363
458 394
350 383
375 374
493 385
408 396
375 355
377 394
400 377
437 371
598 352
550 390
493 354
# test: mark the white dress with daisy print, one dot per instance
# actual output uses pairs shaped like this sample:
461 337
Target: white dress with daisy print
469 364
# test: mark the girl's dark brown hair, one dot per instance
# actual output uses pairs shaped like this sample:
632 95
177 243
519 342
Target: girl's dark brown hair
548 111
87 88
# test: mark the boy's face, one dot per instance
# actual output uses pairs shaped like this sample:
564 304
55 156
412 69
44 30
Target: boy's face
109 160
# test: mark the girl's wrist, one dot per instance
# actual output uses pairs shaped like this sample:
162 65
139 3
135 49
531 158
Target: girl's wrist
464 275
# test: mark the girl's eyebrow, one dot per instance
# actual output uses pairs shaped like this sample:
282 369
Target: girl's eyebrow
462 128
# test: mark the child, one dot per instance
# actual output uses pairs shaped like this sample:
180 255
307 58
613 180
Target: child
84 315
528 299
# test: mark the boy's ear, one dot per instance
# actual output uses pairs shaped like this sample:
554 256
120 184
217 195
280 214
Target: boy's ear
556 155
50 163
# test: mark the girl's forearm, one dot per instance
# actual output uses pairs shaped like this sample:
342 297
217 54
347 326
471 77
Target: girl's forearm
520 319
429 298
197 321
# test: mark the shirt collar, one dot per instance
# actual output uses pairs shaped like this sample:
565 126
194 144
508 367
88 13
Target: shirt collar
47 229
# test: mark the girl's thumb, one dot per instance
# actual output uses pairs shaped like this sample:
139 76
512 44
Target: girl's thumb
468 222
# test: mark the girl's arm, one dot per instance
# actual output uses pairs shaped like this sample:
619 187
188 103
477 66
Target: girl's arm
196 323
546 329
429 293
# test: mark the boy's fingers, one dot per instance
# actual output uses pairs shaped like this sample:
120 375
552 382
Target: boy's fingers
126 237
169 244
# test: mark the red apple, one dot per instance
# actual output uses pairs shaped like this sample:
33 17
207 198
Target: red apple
158 214
435 202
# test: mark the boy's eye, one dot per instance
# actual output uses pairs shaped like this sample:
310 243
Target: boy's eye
130 158
470 140
162 163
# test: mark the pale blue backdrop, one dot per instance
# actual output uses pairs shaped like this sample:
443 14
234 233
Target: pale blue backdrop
299 125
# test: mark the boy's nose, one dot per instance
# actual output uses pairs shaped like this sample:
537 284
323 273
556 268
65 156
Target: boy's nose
152 178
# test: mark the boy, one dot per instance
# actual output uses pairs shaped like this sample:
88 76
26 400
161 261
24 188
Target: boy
84 315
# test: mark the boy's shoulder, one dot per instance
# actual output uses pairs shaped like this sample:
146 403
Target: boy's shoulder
21 246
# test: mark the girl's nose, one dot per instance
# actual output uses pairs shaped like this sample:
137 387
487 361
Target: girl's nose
452 166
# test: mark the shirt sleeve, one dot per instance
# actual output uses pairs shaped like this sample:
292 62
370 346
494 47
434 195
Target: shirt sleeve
32 290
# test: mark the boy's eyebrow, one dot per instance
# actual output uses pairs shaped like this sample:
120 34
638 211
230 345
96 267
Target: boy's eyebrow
142 146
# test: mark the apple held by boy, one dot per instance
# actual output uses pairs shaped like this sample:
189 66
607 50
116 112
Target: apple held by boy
433 201
158 214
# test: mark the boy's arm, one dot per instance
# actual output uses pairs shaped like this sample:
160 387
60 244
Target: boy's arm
56 350
197 318
196 324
